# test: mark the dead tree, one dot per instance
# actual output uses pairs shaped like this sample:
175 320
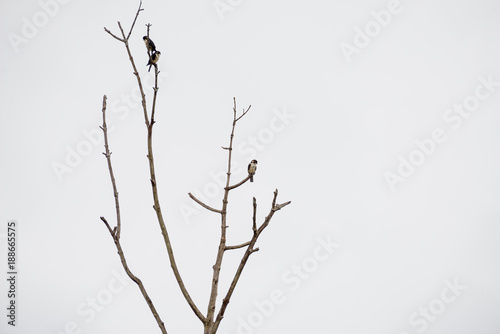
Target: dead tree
211 320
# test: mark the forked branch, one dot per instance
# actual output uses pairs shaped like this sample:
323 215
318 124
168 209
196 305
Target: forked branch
149 121
213 322
249 251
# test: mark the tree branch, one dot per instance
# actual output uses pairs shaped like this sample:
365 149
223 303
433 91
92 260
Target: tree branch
155 89
107 154
250 250
115 233
238 184
124 40
107 225
280 206
209 326
203 204
254 218
113 35
135 19
156 205
136 279
238 246
244 112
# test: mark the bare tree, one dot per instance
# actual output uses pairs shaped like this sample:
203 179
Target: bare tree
213 317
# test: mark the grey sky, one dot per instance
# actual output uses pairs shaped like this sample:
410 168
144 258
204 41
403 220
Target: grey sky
377 119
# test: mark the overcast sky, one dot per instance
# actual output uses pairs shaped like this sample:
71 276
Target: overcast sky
378 119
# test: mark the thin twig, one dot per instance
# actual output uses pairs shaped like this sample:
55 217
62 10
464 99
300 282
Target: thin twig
124 40
280 206
238 246
109 32
148 50
203 204
254 218
238 184
274 198
107 225
155 89
244 112
107 154
135 19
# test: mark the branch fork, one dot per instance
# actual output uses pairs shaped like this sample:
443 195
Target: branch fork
214 318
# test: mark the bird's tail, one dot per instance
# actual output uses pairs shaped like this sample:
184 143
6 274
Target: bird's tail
251 178
150 63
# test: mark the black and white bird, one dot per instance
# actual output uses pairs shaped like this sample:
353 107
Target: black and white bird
149 44
154 59
252 167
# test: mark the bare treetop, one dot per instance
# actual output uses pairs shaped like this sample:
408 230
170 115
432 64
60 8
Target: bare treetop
213 317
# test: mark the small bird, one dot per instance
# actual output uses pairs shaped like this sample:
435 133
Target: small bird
252 167
149 44
154 59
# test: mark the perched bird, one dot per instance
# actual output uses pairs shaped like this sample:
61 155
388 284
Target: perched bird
252 167
149 44
154 59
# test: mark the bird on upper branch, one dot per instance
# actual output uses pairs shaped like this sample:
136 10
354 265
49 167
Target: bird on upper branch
149 44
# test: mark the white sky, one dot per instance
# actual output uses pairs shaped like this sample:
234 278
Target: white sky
327 128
